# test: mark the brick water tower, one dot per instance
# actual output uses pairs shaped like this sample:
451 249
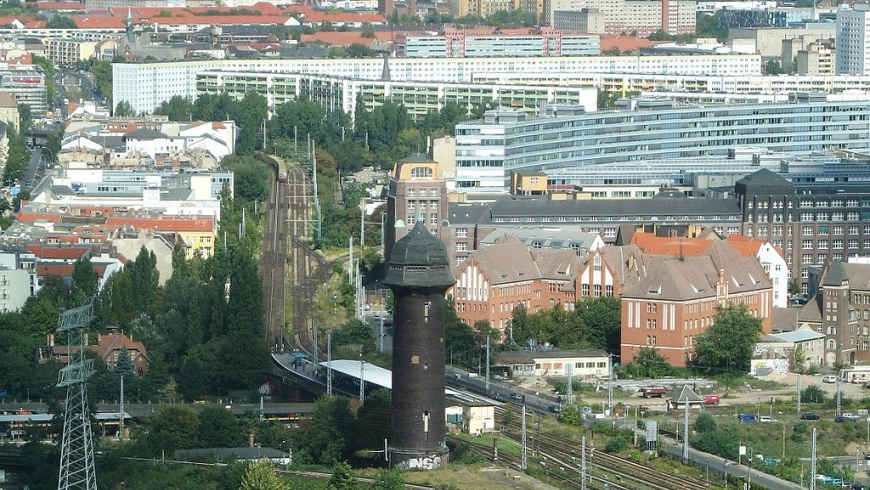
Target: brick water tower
418 273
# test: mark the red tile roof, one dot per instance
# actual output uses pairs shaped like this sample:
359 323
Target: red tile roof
220 20
28 217
175 224
98 22
54 252
624 43
35 24
320 16
672 246
59 269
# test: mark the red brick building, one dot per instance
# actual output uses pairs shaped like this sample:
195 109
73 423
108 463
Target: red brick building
497 278
668 301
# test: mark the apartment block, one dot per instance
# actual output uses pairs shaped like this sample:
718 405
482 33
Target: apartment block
853 46
629 16
457 43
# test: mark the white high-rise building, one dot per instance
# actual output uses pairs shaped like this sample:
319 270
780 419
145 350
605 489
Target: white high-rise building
853 52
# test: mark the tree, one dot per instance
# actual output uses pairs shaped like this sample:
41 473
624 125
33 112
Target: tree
813 394
124 109
124 366
177 108
389 480
60 22
325 437
729 342
799 359
649 363
175 427
260 475
102 71
602 319
84 279
218 427
342 478
374 420
705 423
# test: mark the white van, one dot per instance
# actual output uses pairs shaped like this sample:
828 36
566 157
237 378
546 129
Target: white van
829 379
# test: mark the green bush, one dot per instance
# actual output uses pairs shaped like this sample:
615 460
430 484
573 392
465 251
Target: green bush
813 394
705 423
616 444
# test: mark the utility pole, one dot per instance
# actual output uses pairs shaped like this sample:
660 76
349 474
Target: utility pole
314 182
583 463
264 134
121 412
362 380
381 335
686 428
570 394
799 394
487 365
837 413
329 364
315 353
524 462
262 409
609 384
813 463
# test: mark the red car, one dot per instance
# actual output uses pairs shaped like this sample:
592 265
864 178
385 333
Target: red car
711 400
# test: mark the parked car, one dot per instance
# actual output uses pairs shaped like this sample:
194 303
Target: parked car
555 408
766 418
711 400
847 417
829 379
516 396
747 418
810 416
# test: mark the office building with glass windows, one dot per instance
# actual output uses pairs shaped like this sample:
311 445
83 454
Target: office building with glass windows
487 151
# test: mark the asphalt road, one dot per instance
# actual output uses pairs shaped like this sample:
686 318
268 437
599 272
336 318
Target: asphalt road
28 177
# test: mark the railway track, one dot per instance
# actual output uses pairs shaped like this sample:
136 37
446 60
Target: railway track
273 263
635 474
565 476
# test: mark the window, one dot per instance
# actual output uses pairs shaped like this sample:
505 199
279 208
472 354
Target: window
838 244
421 173
823 244
853 243
462 233
608 291
808 231
584 290
461 247
596 290
807 245
838 230
807 259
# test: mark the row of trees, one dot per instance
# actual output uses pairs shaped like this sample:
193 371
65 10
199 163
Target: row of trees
204 326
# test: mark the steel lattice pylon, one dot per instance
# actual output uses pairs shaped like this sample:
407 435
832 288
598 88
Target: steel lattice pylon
77 451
